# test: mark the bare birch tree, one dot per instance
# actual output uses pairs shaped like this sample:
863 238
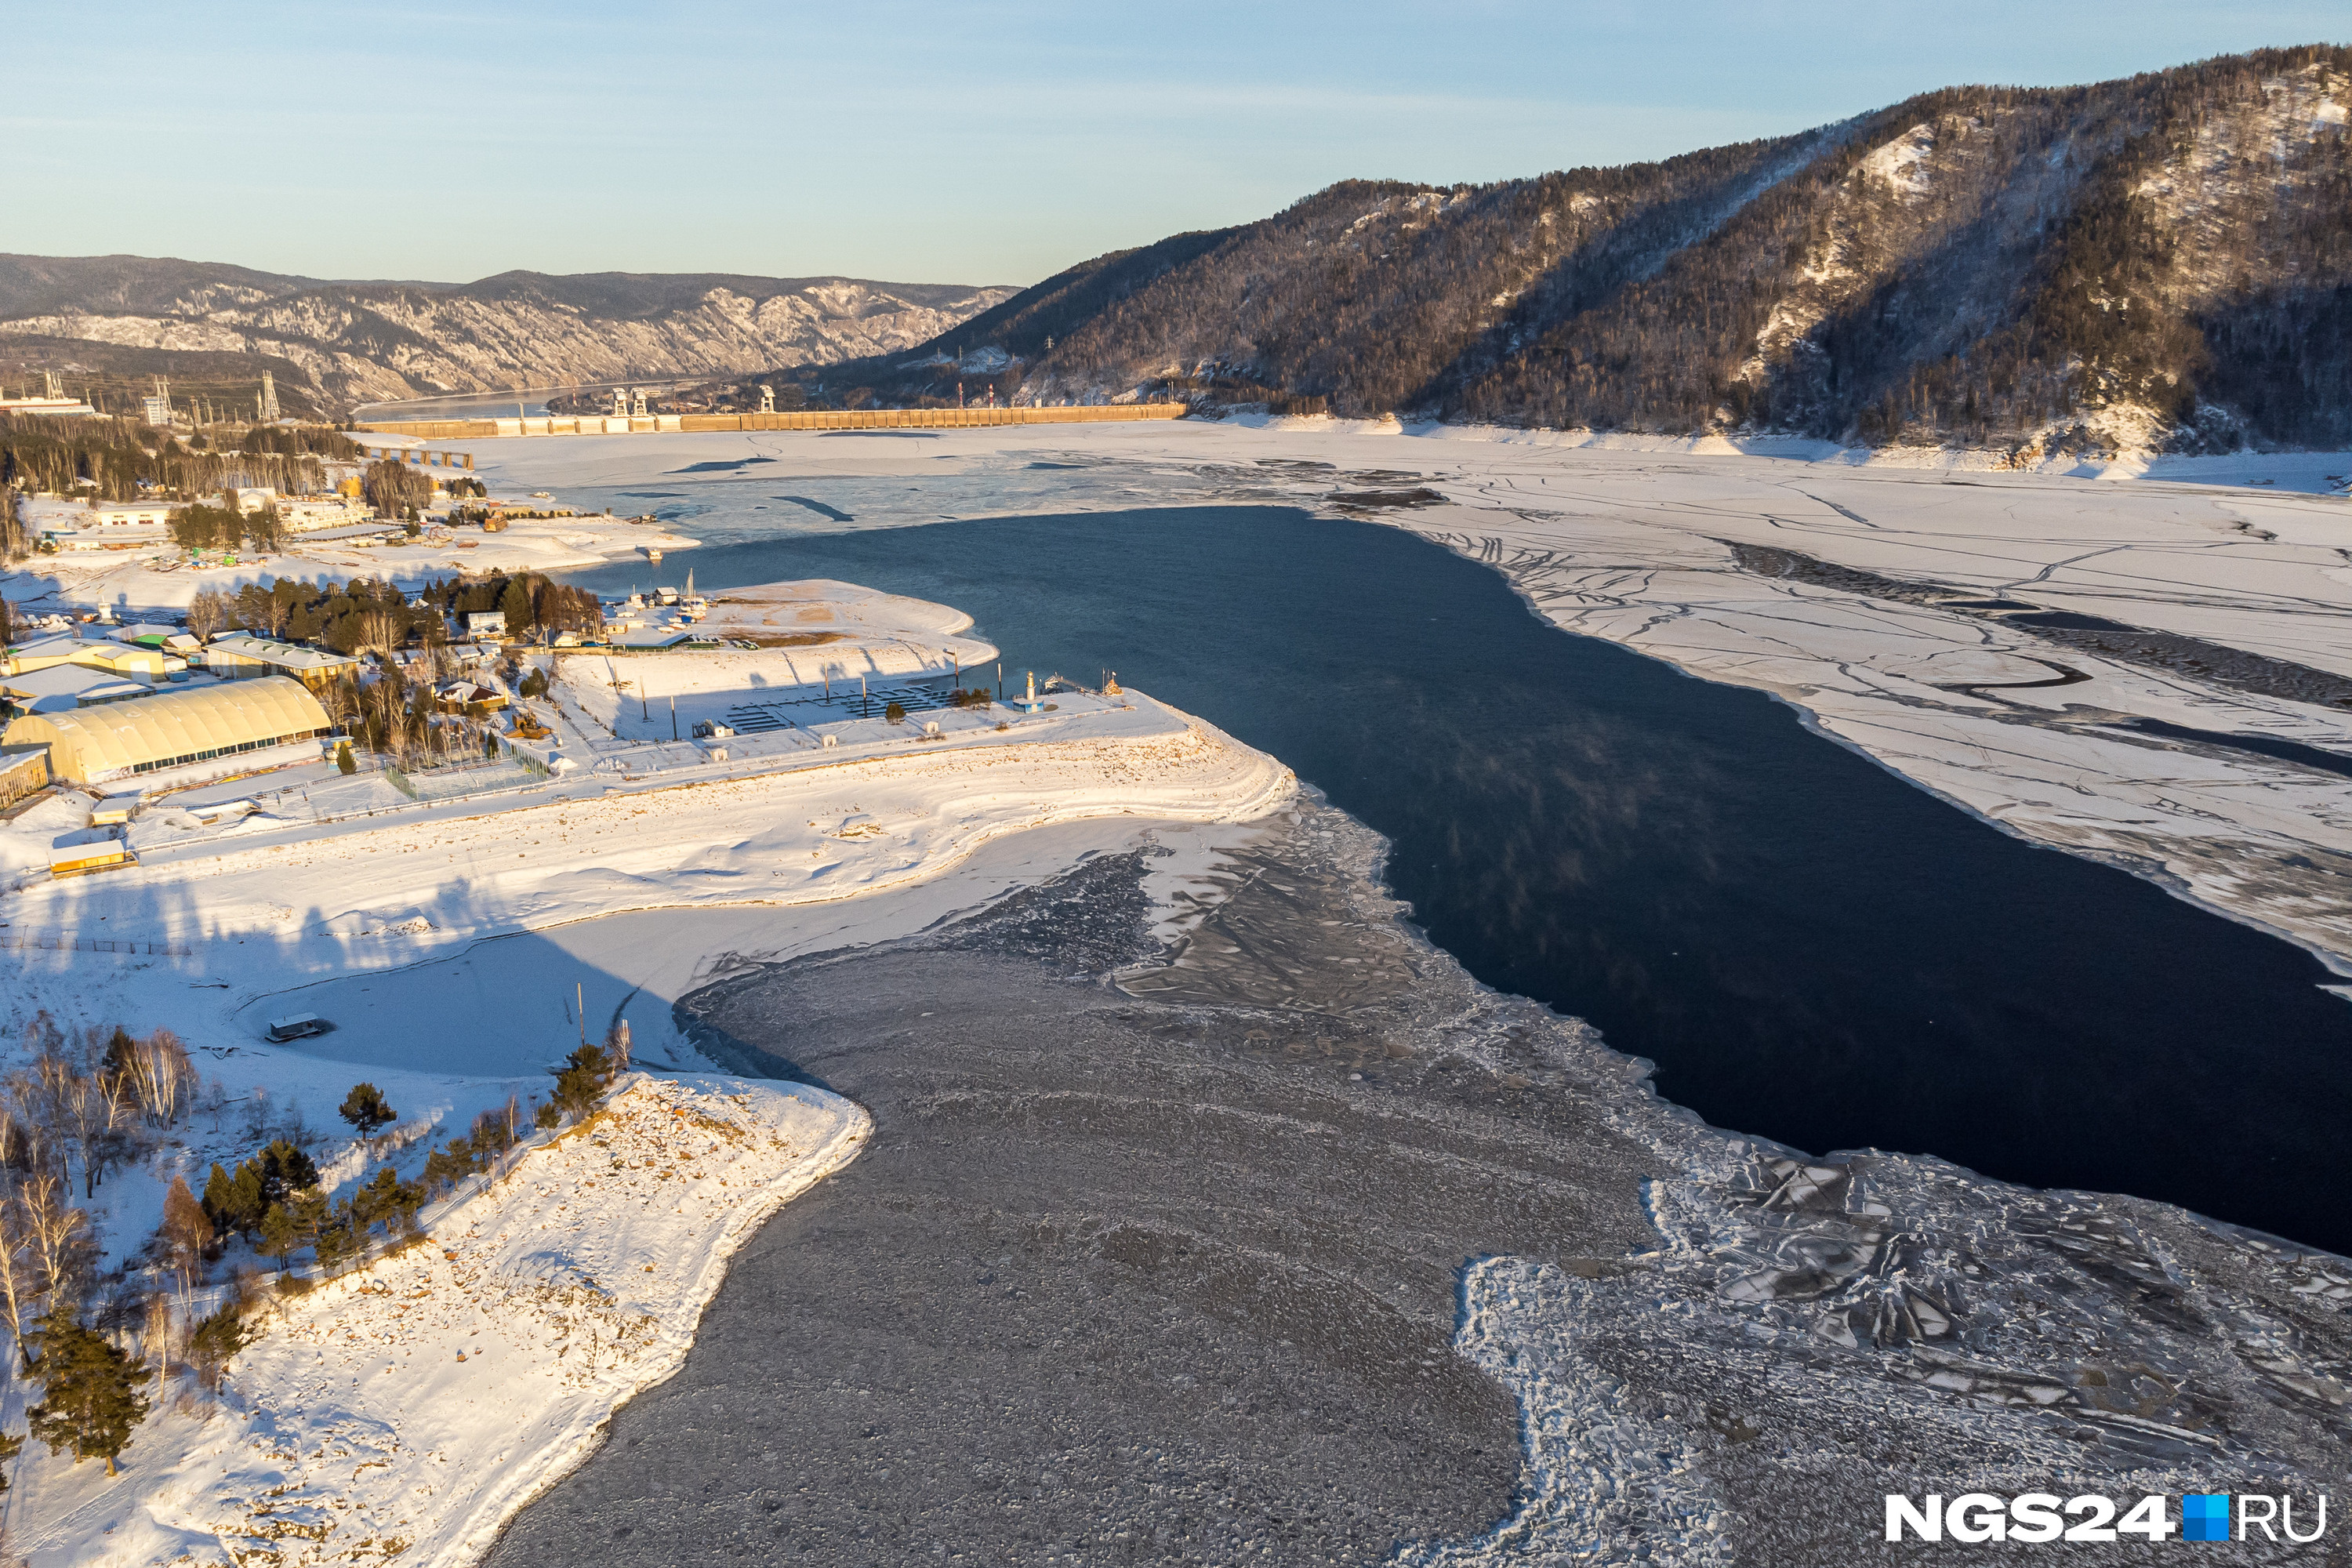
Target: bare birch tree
20 1289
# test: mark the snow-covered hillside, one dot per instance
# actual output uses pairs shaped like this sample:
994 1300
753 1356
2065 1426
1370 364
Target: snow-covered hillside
403 1410
363 342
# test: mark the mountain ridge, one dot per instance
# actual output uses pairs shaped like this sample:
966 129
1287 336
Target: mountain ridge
382 340
2163 261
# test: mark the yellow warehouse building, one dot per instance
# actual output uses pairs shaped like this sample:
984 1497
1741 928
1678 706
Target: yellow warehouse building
146 734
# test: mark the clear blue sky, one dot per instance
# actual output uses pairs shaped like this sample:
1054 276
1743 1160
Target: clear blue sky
978 144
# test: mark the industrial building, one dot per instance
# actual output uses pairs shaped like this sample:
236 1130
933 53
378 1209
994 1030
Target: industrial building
54 672
101 525
23 770
172 729
237 655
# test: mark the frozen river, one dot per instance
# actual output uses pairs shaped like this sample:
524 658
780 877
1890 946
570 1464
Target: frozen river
1300 1246
1809 948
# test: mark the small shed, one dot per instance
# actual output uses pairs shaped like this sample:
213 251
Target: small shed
86 855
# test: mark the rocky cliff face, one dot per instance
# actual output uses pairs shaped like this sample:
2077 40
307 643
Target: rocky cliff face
359 342
2164 261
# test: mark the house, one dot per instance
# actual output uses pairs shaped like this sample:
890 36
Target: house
470 698
119 525
83 853
486 624
65 524
307 514
239 655
61 687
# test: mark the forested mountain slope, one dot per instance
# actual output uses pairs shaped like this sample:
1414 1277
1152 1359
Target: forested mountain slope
358 342
2164 261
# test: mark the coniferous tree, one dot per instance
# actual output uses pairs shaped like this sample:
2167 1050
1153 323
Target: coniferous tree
91 1402
214 1343
285 1171
581 1081
516 604
281 1236
367 1110
234 1201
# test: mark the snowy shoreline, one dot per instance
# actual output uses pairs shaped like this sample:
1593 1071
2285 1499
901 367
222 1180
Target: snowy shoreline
608 892
1639 541
391 1437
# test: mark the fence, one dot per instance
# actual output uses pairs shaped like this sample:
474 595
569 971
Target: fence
73 944
804 419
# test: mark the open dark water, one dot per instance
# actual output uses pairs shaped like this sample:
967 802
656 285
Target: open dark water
1808 948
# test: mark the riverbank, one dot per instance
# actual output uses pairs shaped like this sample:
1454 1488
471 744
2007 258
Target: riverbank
1652 544
405 1410
309 901
453 954
1158 1255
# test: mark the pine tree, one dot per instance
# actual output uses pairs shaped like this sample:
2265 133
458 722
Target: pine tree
214 1341
581 1081
367 1110
91 1401
234 1203
281 1236
285 1171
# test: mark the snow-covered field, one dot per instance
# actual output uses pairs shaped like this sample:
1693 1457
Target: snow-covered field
405 1410
161 580
308 902
1632 539
459 949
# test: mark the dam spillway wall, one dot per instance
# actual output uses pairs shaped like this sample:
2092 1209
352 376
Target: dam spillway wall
803 419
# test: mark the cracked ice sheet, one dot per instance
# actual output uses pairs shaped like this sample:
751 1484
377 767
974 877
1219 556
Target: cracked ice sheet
1624 537
2266 841
1793 1344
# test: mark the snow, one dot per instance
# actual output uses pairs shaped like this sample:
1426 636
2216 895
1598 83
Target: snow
1623 537
148 580
1903 162
453 946
653 871
315 899
406 1409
